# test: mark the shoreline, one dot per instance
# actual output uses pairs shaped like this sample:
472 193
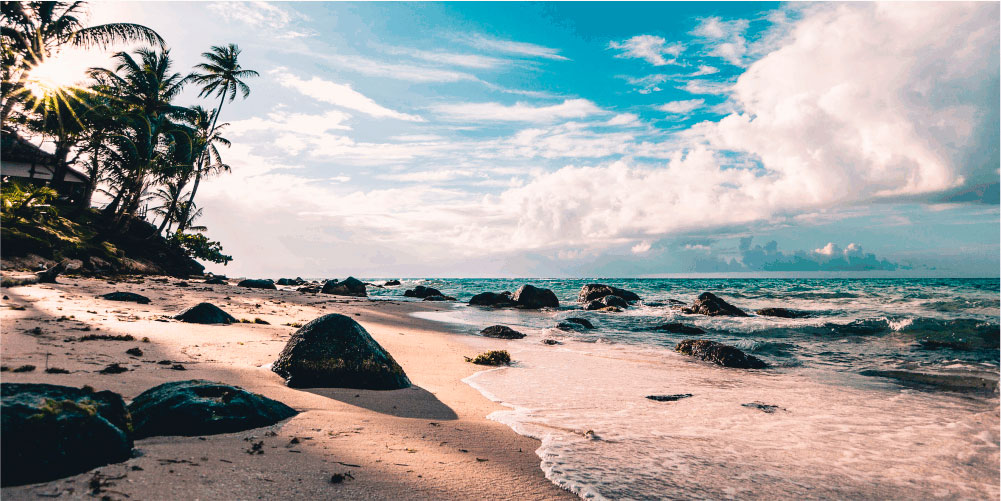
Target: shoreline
432 440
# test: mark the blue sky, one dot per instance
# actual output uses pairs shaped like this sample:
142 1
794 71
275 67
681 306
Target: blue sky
590 139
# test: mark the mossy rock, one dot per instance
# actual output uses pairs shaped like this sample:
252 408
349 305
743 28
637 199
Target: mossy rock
52 431
334 351
199 407
501 332
205 313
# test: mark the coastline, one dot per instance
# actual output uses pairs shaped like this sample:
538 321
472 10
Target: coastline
429 441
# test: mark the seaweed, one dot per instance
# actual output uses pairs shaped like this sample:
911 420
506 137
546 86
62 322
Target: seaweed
494 357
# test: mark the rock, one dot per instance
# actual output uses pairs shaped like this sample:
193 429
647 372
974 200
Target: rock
391 282
335 351
580 321
606 301
350 286
205 313
422 292
781 313
574 324
501 332
439 298
669 398
216 281
199 407
257 284
291 281
766 408
610 309
51 431
315 289
954 382
676 328
590 292
709 304
550 342
493 299
533 298
719 353
125 296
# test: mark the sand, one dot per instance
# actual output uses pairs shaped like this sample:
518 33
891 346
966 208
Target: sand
431 441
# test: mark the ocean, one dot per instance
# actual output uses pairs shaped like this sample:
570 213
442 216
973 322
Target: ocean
888 389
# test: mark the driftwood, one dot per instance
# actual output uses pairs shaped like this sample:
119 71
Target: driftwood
42 277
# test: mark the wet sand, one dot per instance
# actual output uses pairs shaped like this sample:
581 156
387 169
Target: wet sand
431 441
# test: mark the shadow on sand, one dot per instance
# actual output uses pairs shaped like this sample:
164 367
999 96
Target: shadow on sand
414 402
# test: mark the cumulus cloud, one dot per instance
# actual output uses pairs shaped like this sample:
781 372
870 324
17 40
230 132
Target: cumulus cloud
682 107
768 257
650 48
518 112
340 95
724 39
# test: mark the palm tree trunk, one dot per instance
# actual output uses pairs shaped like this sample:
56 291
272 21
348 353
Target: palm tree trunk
201 161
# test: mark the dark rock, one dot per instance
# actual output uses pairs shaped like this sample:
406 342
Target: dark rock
709 304
669 398
51 431
335 351
198 407
290 281
550 342
782 313
676 328
205 313
439 298
315 289
493 299
264 283
533 298
216 281
580 321
126 296
574 324
766 408
501 332
135 352
590 292
675 302
954 382
606 301
350 286
422 292
719 353
114 368
391 282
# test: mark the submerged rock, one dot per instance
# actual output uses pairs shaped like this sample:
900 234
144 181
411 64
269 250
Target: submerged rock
781 313
126 296
422 292
605 302
439 298
719 353
590 292
54 431
574 324
709 304
350 286
501 332
955 382
678 328
265 283
205 313
493 299
531 297
334 351
669 398
766 408
199 407
391 283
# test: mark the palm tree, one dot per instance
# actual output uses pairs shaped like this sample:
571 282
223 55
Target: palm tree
31 32
205 149
223 76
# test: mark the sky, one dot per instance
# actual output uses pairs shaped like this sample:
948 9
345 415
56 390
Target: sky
599 139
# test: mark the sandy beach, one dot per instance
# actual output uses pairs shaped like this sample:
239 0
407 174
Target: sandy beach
431 441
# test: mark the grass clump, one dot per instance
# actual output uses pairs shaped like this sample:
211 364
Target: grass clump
261 321
495 357
294 324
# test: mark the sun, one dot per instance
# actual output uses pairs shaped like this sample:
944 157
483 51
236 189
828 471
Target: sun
53 75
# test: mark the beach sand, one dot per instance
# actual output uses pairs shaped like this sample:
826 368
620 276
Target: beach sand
431 441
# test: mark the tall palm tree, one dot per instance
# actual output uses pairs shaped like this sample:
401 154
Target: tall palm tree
31 32
205 148
223 76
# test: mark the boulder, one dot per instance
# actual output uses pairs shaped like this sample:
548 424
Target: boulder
334 351
605 302
51 431
493 299
216 281
291 281
439 298
422 292
709 304
205 313
391 282
781 313
257 284
350 286
315 289
198 407
677 328
533 298
590 292
501 332
574 323
126 296
719 353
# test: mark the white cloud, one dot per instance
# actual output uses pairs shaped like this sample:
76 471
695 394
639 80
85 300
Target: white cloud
724 39
518 112
703 87
340 95
263 16
682 107
649 83
395 70
704 70
449 58
512 47
650 48
641 247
